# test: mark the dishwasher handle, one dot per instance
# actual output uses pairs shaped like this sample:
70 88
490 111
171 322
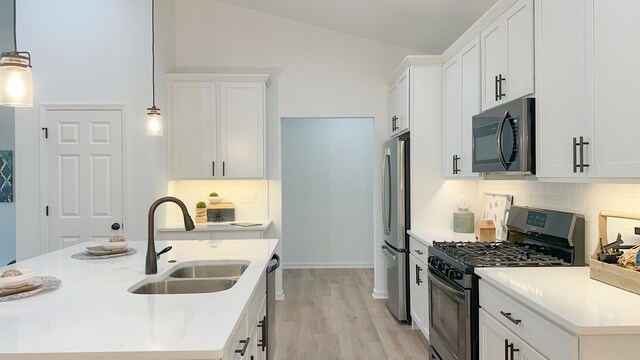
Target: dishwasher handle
274 263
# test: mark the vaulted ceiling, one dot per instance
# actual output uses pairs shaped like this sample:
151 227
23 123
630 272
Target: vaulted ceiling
427 26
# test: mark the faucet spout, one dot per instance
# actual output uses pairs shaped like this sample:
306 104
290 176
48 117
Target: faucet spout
151 263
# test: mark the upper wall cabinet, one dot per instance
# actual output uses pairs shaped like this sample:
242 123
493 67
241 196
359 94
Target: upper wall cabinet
588 84
461 100
217 126
507 56
399 104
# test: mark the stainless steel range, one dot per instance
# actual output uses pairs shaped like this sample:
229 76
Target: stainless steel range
537 237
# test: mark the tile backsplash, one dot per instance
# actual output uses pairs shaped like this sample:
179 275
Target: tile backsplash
586 199
250 197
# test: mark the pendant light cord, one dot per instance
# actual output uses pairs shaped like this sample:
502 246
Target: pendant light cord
153 52
15 37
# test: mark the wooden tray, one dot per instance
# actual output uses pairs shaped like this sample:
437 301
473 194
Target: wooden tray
612 274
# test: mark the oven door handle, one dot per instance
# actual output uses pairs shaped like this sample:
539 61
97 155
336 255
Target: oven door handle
444 286
499 142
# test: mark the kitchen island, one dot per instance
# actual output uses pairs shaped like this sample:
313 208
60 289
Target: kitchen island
94 316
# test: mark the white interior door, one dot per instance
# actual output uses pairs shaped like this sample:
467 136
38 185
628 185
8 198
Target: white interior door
84 175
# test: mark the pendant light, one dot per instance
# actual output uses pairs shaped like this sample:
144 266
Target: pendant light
16 83
154 117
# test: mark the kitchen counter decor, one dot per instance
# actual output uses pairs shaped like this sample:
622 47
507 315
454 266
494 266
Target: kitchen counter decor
35 286
98 253
618 275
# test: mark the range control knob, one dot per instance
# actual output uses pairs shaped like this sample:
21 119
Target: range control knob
442 266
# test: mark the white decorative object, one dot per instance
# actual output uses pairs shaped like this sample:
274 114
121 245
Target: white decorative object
18 280
463 203
496 207
215 199
109 245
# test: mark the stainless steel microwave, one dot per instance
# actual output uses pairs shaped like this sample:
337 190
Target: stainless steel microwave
504 138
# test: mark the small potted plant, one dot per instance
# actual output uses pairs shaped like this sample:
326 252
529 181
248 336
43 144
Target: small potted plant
214 198
201 212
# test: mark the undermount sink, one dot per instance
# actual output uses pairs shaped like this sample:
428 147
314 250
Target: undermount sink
195 277
210 271
184 286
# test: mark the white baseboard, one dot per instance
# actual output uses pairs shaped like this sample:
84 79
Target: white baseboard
380 295
346 265
279 295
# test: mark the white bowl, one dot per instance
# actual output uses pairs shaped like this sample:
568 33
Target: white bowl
18 281
114 245
215 199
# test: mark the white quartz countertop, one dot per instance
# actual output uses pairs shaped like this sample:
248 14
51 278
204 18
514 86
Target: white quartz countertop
428 236
221 226
568 297
93 316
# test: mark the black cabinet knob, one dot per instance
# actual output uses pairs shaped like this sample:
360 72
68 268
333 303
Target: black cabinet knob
115 226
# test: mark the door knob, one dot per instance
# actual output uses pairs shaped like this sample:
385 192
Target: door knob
115 226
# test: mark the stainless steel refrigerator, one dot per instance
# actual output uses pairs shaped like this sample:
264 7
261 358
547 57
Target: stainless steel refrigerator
395 213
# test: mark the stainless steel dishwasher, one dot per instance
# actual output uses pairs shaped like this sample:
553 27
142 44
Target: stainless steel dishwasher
271 304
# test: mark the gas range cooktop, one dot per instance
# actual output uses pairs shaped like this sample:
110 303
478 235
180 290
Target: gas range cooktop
479 254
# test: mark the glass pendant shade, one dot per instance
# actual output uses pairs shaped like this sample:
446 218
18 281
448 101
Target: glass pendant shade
16 83
154 122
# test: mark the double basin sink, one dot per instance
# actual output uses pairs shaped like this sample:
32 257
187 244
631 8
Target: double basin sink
195 278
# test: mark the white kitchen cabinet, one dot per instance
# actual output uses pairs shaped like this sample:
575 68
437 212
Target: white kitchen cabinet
498 342
217 126
399 103
461 100
613 34
418 287
504 320
193 129
507 47
245 339
587 81
242 135
560 87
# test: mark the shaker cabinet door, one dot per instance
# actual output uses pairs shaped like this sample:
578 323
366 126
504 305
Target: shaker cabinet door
242 135
193 130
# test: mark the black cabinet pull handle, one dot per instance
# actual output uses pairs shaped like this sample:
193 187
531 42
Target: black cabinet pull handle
513 351
582 144
213 168
575 155
263 342
223 170
245 344
506 349
419 252
455 164
508 316
500 80
418 280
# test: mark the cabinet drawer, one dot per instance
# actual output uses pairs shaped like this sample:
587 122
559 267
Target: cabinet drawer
418 249
545 337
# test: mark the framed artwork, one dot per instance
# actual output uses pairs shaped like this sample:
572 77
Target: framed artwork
6 176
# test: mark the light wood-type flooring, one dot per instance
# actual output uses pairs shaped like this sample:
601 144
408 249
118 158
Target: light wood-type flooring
330 314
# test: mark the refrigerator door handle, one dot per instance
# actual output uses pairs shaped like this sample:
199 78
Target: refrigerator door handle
387 252
386 192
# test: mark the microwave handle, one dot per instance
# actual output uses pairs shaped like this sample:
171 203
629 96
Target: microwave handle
499 142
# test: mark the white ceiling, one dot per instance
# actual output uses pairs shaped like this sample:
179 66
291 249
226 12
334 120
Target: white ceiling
428 26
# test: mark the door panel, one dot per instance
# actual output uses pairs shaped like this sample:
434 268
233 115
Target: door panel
471 103
84 175
417 271
452 77
393 107
494 53
403 101
193 124
242 130
519 29
616 85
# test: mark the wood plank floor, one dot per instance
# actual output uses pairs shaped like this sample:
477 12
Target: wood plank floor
330 314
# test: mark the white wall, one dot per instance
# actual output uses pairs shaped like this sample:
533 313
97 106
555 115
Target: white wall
327 182
91 52
323 74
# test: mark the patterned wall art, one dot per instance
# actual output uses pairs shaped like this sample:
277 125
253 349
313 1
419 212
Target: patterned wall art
6 176
496 207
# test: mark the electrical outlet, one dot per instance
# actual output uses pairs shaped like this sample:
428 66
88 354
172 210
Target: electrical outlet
248 198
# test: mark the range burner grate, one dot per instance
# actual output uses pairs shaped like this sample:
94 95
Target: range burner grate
498 254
